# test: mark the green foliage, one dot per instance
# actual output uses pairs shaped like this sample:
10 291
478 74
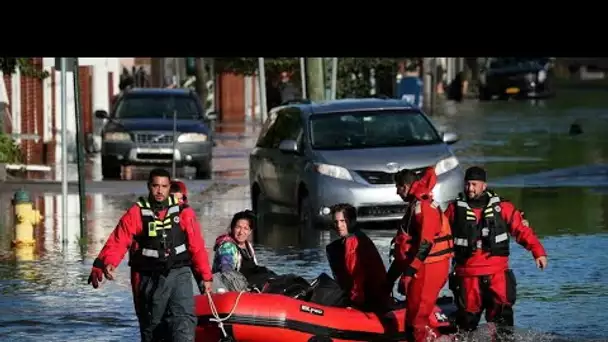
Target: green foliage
9 65
353 73
249 65
9 151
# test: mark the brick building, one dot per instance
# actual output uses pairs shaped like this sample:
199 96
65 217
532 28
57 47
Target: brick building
34 111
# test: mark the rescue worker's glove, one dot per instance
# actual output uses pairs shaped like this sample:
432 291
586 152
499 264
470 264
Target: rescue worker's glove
96 273
205 286
408 275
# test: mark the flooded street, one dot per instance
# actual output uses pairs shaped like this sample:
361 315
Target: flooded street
560 181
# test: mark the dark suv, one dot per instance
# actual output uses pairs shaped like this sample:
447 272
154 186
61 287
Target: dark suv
140 127
518 77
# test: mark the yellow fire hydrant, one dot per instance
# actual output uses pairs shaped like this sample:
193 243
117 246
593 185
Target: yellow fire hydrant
25 218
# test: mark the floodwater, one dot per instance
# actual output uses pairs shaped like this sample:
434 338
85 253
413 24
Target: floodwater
560 181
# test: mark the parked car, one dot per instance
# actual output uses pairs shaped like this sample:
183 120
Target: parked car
518 77
310 156
140 131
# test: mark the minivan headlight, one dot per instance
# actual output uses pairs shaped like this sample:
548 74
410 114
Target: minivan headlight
446 165
116 136
333 171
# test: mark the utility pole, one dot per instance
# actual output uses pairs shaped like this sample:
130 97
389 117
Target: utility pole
303 76
201 80
434 82
262 92
334 77
64 151
80 153
315 79
427 83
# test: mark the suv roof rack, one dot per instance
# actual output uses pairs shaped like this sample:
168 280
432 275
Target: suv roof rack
296 101
382 97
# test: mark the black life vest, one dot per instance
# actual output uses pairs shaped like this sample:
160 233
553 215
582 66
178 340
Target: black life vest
336 252
162 244
491 233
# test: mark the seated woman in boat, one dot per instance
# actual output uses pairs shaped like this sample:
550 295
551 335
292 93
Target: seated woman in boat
356 262
234 252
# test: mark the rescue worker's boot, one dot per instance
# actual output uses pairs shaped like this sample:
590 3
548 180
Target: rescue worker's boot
504 322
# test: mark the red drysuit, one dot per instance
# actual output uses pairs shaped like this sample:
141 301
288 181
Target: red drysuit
359 270
130 224
483 280
423 248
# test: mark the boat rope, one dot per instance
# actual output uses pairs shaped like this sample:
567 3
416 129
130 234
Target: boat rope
216 316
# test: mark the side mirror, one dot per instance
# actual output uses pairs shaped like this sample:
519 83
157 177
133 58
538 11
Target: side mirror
211 116
101 114
450 138
288 146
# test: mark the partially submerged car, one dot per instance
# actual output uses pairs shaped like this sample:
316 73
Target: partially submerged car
310 156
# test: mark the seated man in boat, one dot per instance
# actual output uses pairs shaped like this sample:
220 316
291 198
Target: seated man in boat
356 262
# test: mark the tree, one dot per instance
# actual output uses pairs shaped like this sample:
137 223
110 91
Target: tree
9 151
249 65
9 65
353 73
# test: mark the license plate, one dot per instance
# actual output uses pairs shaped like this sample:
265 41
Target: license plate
512 90
155 150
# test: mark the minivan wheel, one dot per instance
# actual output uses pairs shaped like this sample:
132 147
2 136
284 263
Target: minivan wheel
306 217
260 210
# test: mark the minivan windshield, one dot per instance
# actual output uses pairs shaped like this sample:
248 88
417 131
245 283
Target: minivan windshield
369 129
157 105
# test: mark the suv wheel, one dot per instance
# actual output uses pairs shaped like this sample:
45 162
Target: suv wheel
204 170
484 94
110 169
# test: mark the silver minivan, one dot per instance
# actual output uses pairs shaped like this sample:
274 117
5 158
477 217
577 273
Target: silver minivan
310 156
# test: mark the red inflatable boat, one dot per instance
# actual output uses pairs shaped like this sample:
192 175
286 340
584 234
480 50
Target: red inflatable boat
256 317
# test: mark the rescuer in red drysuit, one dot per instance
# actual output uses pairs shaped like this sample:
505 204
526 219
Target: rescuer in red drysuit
162 262
423 248
356 263
481 225
179 190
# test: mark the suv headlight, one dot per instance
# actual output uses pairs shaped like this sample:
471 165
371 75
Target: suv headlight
446 165
333 171
542 75
530 77
116 136
192 137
